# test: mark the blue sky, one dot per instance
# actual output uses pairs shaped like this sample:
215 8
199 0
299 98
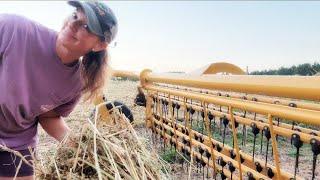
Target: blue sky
186 35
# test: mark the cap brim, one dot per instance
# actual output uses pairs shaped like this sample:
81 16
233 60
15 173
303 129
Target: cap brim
93 22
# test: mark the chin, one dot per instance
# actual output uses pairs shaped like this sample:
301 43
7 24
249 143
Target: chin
67 42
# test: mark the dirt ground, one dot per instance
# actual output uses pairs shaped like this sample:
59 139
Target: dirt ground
125 91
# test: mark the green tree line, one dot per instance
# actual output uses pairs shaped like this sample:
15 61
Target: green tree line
305 69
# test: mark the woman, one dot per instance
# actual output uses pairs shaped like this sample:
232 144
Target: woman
43 74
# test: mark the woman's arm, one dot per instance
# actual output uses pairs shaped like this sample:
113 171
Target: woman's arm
54 125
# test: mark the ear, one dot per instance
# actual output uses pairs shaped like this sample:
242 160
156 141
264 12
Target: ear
100 46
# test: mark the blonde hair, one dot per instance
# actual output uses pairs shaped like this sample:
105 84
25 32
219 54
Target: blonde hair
95 74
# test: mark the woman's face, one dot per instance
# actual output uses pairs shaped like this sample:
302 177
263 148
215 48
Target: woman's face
75 34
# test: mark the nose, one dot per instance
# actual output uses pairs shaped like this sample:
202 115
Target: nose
74 25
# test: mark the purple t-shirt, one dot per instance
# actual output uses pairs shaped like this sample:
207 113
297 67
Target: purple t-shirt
33 80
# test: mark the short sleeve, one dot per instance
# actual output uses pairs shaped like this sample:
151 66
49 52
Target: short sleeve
11 25
6 31
65 109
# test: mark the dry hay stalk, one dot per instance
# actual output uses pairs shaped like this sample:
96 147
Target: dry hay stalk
102 151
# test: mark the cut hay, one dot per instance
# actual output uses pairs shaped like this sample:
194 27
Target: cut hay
102 151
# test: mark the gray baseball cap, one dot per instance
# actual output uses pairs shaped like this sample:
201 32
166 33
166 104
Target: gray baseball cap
101 19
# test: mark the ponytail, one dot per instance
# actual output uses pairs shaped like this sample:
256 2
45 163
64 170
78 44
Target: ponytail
94 73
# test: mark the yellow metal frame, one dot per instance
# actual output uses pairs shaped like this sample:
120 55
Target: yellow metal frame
223 67
300 87
268 96
250 97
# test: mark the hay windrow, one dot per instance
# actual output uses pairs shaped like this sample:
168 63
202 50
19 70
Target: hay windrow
102 151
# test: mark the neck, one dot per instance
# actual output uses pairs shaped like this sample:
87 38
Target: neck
66 57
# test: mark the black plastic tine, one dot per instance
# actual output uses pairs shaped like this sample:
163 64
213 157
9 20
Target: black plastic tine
201 151
197 162
196 137
261 140
202 115
241 159
232 154
244 129
173 109
315 147
293 123
225 121
278 122
244 114
221 162
202 172
173 106
186 152
227 95
203 164
224 135
214 120
313 134
245 111
250 176
298 144
200 165
220 126
178 107
184 114
166 103
167 106
186 155
201 139
255 132
231 168
163 137
268 136
156 107
207 172
270 173
236 124
293 105
198 114
208 155
219 94
258 167
210 117
192 111
162 105
276 102
223 176
214 123
255 114
190 116
165 109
